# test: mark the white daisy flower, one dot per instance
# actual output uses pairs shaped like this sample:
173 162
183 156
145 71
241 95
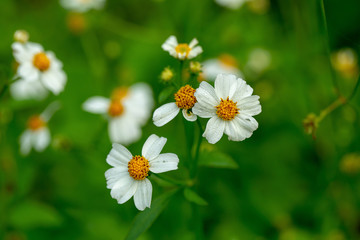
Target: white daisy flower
224 64
37 65
127 111
128 177
82 5
230 107
184 100
182 51
232 4
37 134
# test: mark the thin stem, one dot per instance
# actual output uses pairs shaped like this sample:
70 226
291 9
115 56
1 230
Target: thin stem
355 89
338 102
6 86
197 151
181 72
326 42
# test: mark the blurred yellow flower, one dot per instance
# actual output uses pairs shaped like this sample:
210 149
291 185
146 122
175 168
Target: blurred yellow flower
350 163
167 74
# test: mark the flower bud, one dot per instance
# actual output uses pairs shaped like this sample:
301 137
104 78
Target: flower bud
21 36
195 67
167 74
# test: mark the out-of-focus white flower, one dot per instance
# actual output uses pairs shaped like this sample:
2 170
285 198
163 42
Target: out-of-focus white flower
128 177
23 90
230 107
37 65
82 5
184 99
224 64
127 111
182 51
232 4
21 36
259 61
37 134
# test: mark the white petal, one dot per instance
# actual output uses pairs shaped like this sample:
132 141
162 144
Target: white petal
214 130
189 115
243 90
118 156
41 139
225 85
113 175
206 96
142 197
124 130
28 72
97 105
165 114
193 43
195 52
25 142
170 43
22 89
54 80
164 162
203 112
124 189
241 127
50 110
153 146
249 105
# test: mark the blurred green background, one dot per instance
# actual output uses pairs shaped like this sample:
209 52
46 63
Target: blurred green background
283 185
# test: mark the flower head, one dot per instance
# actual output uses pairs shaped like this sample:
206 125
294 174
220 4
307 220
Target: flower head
127 111
21 36
128 177
82 5
167 74
37 134
182 51
230 107
36 65
184 100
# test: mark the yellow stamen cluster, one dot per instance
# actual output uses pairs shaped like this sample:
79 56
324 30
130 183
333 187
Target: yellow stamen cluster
115 108
138 167
183 48
119 93
227 109
35 123
41 61
184 98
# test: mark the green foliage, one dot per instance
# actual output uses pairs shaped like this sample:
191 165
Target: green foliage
216 159
192 196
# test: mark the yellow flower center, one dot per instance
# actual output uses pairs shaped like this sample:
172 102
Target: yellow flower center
183 48
41 61
35 123
228 60
184 98
227 109
119 93
138 167
115 108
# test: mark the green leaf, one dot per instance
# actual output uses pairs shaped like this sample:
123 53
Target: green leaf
145 219
165 94
31 214
216 159
192 196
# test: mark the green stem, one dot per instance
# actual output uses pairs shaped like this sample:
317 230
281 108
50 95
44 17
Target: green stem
6 86
326 42
181 72
355 89
197 151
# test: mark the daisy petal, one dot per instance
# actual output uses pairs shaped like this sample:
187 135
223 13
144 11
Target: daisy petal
118 156
193 43
206 96
41 139
164 162
165 114
96 104
170 43
250 105
188 115
153 147
225 85
114 174
195 52
124 130
214 130
54 80
124 189
142 197
202 111
25 142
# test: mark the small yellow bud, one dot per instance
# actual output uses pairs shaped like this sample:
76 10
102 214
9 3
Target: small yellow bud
167 74
345 62
21 36
195 67
76 23
350 163
310 124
